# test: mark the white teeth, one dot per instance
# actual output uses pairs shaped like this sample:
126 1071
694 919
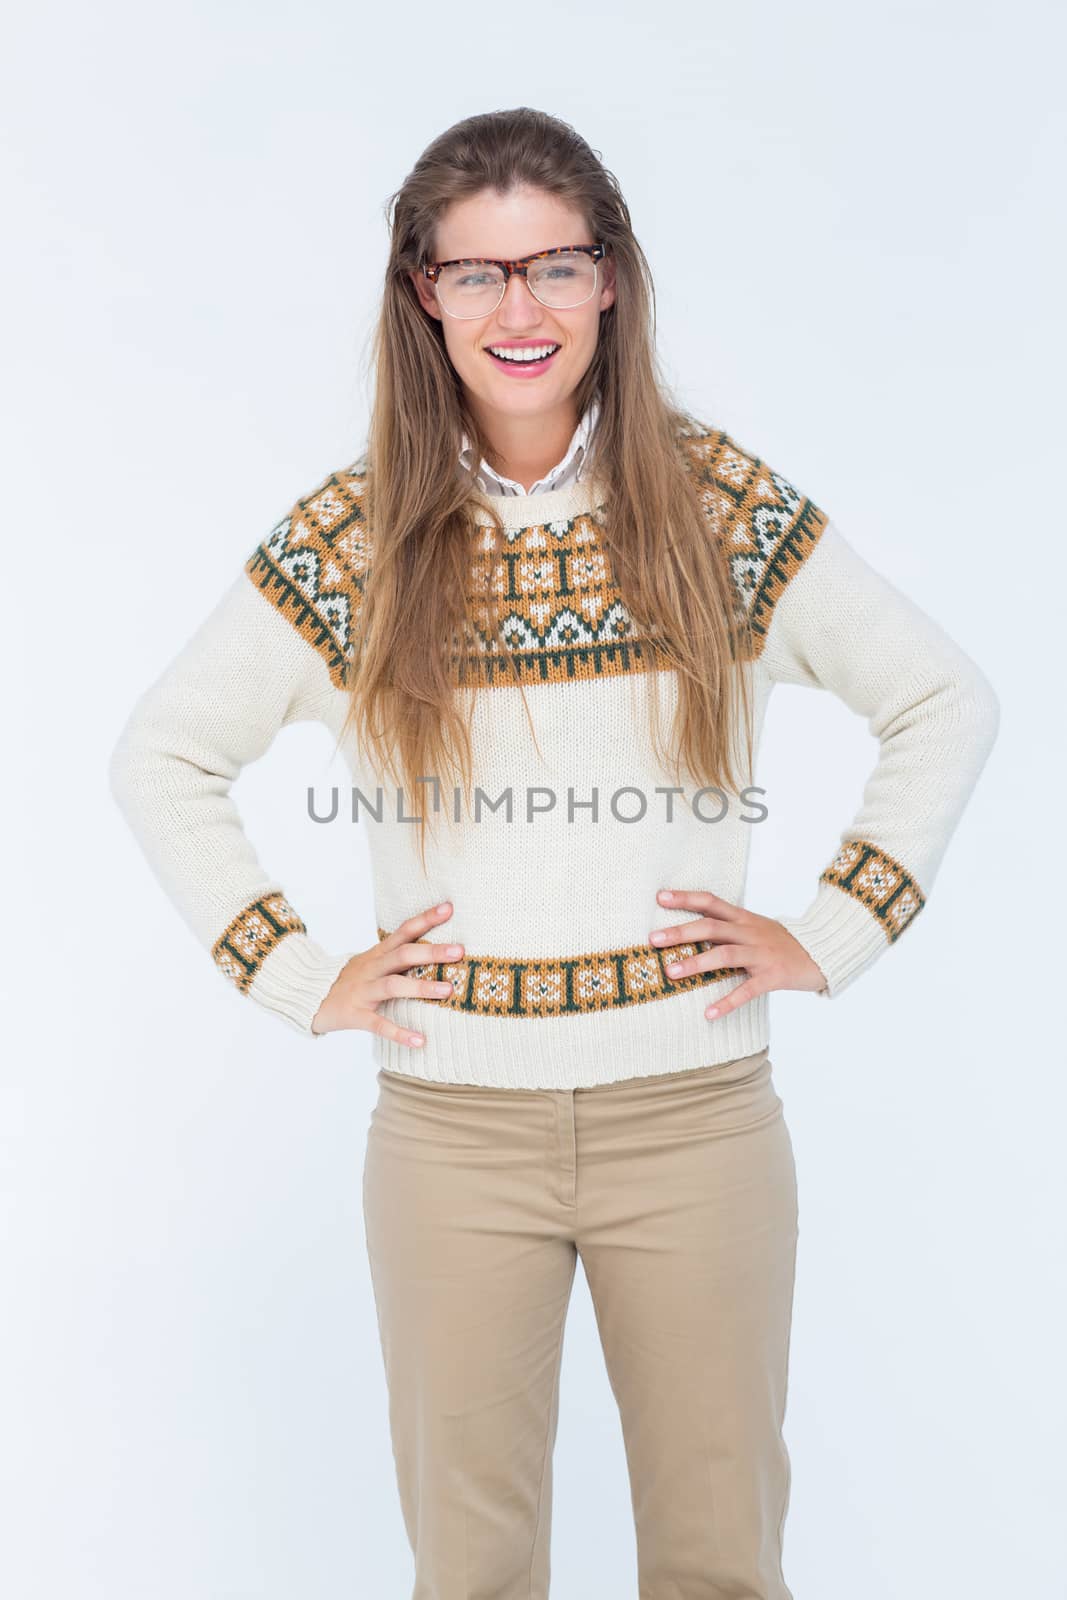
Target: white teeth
534 353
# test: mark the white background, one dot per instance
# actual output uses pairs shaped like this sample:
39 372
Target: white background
854 219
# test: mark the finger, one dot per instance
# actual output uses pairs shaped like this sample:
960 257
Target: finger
385 1029
414 927
687 932
700 900
424 955
724 955
392 986
737 997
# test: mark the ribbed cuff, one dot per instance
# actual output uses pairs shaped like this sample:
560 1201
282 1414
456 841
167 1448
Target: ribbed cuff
840 935
295 979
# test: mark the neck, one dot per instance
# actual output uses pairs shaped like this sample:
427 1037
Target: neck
525 448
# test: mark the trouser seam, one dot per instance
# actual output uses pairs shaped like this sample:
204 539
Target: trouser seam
544 1460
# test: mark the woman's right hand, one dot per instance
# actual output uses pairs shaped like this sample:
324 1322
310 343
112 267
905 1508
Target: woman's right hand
375 976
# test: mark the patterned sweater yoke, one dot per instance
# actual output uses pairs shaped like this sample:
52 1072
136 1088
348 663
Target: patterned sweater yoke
553 874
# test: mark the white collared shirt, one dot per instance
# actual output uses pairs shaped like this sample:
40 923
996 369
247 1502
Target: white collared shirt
566 472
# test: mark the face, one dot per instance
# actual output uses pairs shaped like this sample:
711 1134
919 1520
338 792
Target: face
507 227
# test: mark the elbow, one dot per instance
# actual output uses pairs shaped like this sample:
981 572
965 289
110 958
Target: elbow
992 716
119 770
126 765
973 721
983 704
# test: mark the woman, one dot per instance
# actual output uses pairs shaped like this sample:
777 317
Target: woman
568 998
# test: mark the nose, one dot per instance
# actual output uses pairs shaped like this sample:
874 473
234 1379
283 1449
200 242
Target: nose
519 307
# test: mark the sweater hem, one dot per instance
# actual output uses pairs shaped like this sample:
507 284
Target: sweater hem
573 1052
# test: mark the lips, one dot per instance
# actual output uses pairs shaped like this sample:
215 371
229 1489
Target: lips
519 367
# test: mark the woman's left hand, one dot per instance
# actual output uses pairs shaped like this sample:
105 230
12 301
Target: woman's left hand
768 952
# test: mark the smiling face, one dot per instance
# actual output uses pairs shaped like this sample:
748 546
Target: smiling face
506 227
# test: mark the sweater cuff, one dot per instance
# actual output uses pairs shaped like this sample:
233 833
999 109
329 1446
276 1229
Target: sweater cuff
294 979
840 935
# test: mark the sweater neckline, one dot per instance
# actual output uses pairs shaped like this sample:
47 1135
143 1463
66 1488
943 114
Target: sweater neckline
533 510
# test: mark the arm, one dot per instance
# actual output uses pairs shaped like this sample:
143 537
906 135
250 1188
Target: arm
244 674
841 625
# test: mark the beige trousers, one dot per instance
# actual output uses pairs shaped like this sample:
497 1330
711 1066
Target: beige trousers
678 1192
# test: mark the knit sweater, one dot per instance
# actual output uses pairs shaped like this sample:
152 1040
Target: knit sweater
554 881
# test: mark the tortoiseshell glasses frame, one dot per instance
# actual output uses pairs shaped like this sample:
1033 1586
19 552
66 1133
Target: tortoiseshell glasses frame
596 252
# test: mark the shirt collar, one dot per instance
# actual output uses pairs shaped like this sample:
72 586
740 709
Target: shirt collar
573 458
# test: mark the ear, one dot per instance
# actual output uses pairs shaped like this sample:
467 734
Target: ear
425 291
607 282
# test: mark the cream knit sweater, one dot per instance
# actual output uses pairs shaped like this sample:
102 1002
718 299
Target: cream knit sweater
554 882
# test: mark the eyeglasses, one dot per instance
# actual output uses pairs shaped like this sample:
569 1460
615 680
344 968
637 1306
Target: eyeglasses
474 286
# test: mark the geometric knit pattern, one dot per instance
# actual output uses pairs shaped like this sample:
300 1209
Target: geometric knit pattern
765 526
313 564
252 935
562 613
601 980
877 881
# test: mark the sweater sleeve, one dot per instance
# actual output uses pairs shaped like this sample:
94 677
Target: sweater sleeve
217 707
840 625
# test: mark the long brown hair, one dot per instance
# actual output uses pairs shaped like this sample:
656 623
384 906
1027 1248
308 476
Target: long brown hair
670 568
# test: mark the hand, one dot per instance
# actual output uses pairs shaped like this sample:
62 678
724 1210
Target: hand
374 976
769 953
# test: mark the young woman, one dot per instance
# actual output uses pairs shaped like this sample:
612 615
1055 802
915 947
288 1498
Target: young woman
542 615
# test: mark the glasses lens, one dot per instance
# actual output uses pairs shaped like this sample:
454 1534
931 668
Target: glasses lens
558 281
470 291
563 280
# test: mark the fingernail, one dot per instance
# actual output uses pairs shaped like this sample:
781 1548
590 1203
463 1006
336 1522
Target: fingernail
454 949
415 1038
673 970
443 907
713 1011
